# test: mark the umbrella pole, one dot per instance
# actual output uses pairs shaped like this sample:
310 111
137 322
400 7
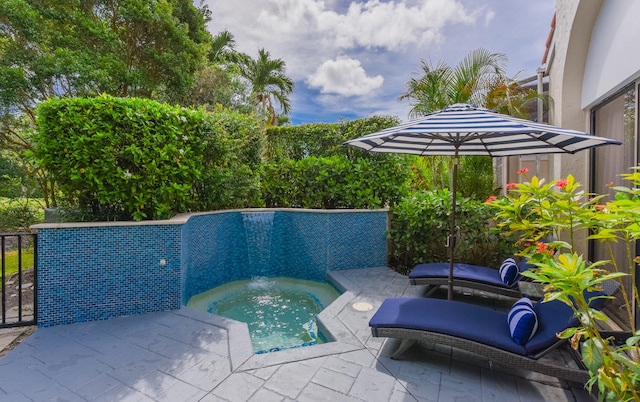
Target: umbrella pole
451 240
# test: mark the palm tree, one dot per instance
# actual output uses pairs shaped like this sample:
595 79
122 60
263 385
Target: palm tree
223 48
442 85
510 97
268 82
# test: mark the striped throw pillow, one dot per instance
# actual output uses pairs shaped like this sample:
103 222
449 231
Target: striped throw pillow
523 321
509 271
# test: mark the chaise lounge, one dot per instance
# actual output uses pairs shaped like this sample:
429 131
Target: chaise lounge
471 276
480 330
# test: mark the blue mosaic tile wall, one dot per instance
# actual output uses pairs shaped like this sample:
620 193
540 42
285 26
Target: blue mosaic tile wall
95 273
217 252
299 244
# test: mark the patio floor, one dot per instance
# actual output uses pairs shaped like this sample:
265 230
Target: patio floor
188 355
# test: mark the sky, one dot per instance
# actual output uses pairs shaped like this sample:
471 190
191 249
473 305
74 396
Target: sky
353 59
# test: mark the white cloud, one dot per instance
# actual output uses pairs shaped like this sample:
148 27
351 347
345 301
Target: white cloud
343 76
390 25
488 17
316 38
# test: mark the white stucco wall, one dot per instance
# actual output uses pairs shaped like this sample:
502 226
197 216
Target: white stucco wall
566 68
613 60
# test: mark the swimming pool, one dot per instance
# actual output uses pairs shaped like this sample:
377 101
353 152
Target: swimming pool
280 312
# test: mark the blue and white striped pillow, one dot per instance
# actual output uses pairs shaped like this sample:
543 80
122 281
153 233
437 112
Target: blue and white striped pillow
523 321
509 271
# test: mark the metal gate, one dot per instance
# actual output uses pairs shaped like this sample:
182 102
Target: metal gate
19 279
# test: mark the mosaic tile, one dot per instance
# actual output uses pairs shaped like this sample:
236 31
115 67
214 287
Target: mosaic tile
96 273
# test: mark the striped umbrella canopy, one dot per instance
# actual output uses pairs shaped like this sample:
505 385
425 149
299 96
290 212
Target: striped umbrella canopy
463 129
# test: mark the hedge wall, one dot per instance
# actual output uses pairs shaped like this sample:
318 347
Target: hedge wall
119 158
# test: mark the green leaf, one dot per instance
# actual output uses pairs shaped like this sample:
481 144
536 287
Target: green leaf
592 354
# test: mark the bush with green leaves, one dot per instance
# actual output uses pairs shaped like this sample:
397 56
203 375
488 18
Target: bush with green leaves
475 175
123 158
18 214
15 179
334 182
321 139
309 167
535 209
420 224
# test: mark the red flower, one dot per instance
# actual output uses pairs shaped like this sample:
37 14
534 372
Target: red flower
541 247
561 183
510 185
598 207
491 199
523 171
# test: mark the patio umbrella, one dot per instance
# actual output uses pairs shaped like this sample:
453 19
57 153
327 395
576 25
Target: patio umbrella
463 129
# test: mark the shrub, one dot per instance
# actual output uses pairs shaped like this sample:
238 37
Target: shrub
321 139
135 158
17 214
334 182
561 208
309 167
420 224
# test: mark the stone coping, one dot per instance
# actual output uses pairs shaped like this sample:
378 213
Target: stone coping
181 219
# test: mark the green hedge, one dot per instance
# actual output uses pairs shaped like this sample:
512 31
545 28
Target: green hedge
334 182
420 225
321 139
309 167
122 158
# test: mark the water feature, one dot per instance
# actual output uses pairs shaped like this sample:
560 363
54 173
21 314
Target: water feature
280 312
258 227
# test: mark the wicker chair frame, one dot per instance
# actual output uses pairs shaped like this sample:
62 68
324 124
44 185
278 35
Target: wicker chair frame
411 336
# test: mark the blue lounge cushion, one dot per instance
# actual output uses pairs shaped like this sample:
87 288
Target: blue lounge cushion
473 322
476 273
523 321
467 321
524 264
509 271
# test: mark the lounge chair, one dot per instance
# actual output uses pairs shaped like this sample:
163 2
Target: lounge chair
477 277
477 329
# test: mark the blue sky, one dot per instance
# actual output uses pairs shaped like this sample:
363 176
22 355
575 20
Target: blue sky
353 59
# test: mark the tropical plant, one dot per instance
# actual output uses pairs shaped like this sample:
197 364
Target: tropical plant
441 85
510 97
269 83
223 48
534 210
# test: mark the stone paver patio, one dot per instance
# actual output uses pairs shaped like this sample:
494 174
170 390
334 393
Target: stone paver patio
188 355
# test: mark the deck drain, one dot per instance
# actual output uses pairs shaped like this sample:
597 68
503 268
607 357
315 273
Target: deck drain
361 306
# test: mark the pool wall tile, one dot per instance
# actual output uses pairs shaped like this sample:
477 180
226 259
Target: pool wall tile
95 273
88 273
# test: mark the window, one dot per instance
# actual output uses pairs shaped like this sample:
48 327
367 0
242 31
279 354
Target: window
616 119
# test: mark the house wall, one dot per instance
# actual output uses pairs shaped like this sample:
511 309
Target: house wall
612 60
593 57
566 68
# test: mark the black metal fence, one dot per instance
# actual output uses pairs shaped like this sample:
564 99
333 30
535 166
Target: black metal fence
19 279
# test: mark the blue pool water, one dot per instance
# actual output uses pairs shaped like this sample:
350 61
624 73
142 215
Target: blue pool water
280 312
